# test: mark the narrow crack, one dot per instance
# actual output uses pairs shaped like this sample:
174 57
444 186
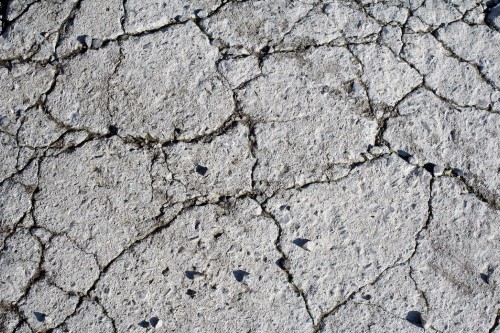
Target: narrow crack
496 323
282 262
476 68
6 23
320 325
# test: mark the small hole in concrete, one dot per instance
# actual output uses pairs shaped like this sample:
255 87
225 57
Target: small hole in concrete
190 293
285 207
40 316
240 275
453 135
201 170
113 130
415 318
154 321
217 235
144 324
429 167
491 3
485 278
366 297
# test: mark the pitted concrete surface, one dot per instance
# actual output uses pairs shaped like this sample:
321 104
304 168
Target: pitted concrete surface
250 166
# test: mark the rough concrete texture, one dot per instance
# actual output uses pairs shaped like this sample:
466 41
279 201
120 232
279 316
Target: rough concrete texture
250 166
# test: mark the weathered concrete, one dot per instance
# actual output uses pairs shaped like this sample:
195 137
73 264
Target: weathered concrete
250 166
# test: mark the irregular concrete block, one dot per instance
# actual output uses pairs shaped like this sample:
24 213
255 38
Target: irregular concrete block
361 225
22 85
80 98
100 195
388 78
152 14
306 122
94 22
338 20
37 129
183 99
35 33
47 306
456 263
477 44
388 13
19 262
222 167
61 257
239 70
250 26
437 12
444 74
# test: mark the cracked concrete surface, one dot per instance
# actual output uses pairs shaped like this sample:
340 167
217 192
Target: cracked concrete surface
250 166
